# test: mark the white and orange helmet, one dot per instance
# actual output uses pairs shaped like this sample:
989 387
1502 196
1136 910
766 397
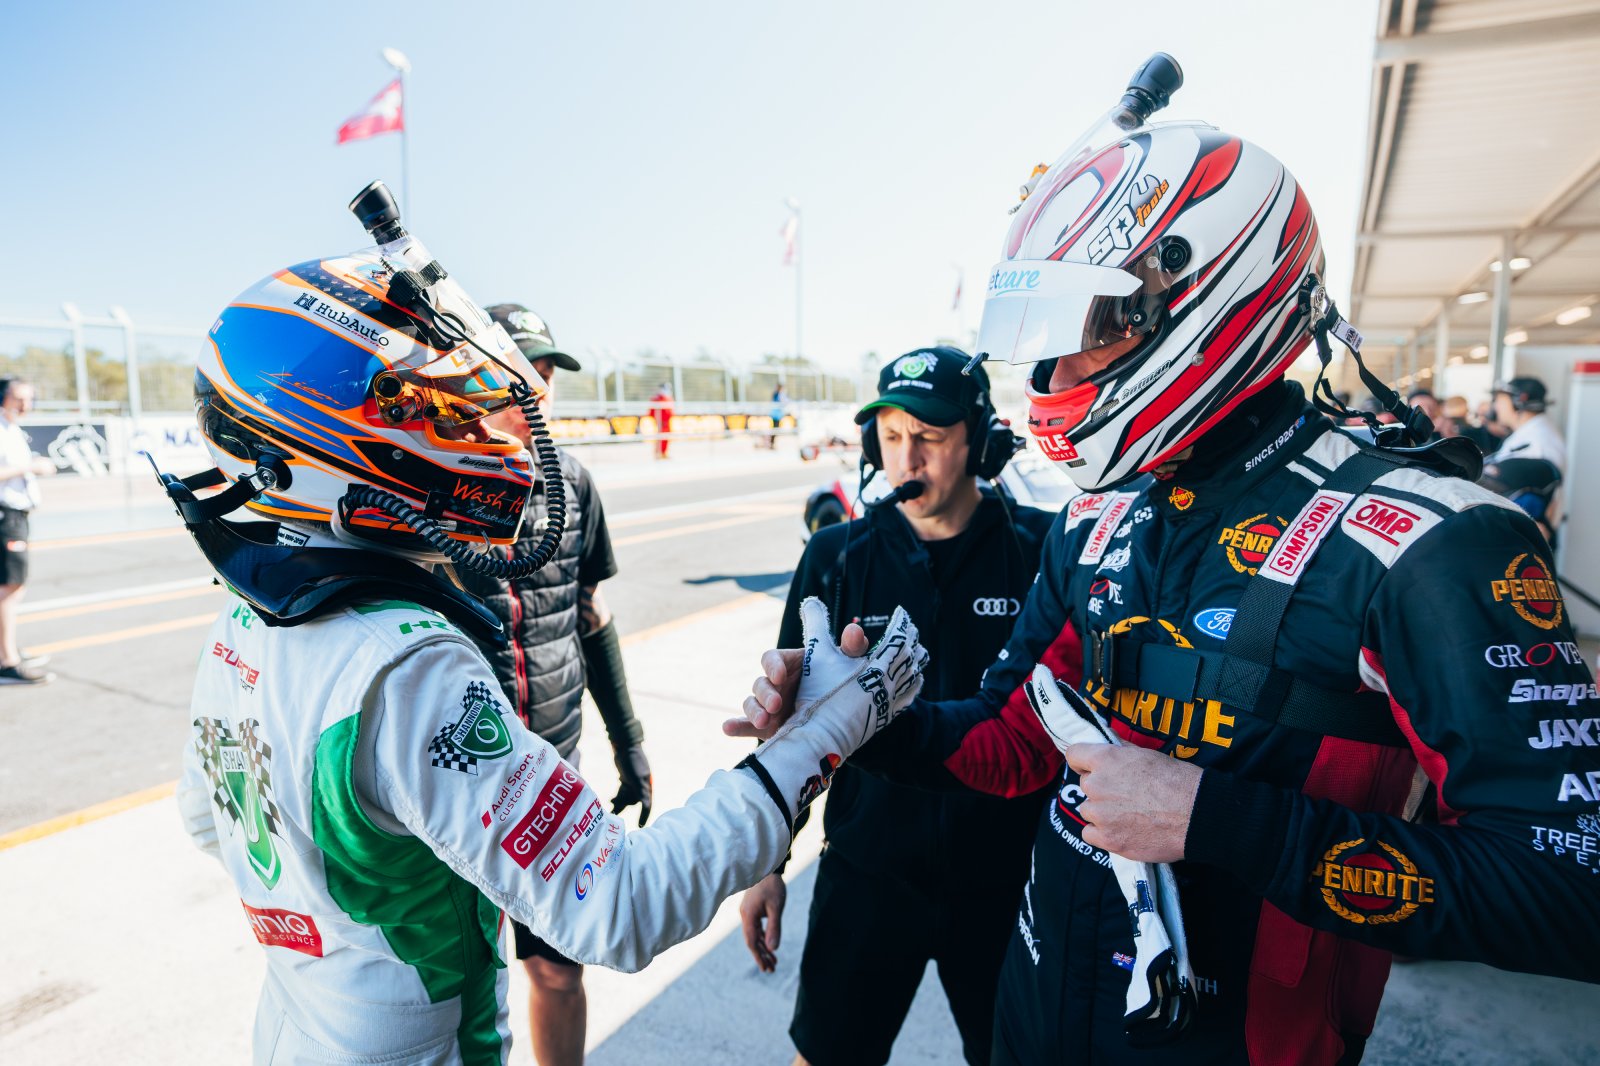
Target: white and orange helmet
1169 259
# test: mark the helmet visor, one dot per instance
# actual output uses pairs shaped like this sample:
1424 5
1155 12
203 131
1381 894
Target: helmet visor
1040 309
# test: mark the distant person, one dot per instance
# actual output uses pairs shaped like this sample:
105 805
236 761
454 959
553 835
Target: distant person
1459 412
661 411
20 470
780 407
1428 404
560 641
1520 405
1494 430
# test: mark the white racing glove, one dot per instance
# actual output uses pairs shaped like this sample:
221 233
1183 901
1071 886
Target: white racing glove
1161 988
841 703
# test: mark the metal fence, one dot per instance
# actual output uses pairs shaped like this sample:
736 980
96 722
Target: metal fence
88 366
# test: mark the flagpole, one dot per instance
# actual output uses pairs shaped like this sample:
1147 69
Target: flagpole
799 302
402 66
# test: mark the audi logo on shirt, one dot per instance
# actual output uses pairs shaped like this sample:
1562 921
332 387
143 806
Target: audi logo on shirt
996 607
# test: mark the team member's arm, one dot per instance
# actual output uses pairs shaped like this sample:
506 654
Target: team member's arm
497 804
195 802
1511 876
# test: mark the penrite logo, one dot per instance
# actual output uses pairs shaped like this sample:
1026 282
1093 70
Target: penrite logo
284 929
1532 591
537 828
1367 885
1185 725
1299 541
343 319
248 675
1249 542
1181 498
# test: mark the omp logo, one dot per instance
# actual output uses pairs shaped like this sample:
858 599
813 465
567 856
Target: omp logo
1082 505
1503 656
551 806
1531 589
995 607
1299 542
1249 542
284 929
1371 885
1385 520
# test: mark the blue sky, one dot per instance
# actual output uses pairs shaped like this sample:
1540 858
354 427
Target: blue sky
622 168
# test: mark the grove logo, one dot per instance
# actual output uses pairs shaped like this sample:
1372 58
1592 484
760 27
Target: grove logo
1532 591
912 366
239 772
1249 542
1371 884
479 734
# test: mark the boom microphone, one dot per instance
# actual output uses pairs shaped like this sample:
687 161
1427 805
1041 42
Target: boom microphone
908 491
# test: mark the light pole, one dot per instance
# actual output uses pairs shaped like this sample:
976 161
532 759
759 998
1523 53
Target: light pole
402 66
80 358
799 304
130 344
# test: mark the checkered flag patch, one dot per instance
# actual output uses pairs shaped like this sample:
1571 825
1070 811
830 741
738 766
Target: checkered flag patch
213 732
447 756
258 755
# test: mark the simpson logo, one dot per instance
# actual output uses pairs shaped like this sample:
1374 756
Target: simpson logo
284 929
1299 542
1100 533
1531 589
1249 542
550 808
1371 885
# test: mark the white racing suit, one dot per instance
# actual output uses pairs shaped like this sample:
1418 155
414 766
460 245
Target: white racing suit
377 810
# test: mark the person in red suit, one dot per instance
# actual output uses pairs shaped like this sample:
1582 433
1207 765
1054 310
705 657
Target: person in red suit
661 411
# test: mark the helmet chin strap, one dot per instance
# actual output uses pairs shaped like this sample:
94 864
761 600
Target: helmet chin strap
1412 426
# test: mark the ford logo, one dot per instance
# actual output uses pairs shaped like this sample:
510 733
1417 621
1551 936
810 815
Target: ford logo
1215 622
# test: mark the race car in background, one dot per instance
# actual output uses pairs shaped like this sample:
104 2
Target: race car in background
1028 479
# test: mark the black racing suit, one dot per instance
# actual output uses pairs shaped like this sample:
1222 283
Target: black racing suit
1424 596
911 875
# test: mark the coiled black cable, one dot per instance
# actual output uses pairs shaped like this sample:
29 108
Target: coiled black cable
462 554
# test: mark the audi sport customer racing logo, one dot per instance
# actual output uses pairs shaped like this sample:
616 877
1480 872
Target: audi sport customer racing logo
1532 591
995 607
1376 885
1249 542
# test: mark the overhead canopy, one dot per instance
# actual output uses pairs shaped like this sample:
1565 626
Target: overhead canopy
1483 147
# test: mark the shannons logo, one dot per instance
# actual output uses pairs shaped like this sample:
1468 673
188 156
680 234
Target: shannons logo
1371 884
1003 282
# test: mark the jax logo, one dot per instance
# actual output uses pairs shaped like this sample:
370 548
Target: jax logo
1214 622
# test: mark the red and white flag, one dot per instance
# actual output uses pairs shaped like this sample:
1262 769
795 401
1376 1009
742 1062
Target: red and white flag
385 114
955 304
789 232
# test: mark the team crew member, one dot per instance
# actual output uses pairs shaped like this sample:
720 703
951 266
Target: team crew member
1301 620
20 470
560 640
910 875
352 763
1520 404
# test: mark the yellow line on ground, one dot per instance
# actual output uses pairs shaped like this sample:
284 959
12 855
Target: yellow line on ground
88 814
698 527
100 538
115 635
150 795
129 601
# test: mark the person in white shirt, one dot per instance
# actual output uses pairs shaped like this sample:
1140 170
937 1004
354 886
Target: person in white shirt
20 470
1520 403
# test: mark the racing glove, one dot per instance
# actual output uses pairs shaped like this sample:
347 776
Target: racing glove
841 703
637 785
1161 990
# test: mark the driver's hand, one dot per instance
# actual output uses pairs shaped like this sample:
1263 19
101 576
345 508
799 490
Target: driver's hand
771 699
761 915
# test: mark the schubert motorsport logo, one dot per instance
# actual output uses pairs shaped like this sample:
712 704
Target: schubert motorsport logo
478 734
1530 587
1249 542
238 770
1371 884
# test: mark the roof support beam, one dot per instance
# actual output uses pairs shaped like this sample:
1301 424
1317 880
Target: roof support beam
1559 29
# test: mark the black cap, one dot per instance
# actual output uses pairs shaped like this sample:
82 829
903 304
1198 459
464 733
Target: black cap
1527 394
928 384
531 334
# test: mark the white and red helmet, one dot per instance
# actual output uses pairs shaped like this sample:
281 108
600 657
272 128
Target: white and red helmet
1169 259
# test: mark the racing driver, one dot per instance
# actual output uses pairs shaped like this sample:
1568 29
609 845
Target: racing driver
1283 624
350 762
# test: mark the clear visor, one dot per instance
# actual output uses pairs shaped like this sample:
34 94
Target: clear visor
463 384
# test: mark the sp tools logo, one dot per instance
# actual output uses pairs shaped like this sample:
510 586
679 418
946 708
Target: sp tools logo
1372 884
1532 591
1117 235
1249 542
1181 498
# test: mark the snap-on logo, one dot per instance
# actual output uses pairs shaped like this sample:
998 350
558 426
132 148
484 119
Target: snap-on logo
1299 542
